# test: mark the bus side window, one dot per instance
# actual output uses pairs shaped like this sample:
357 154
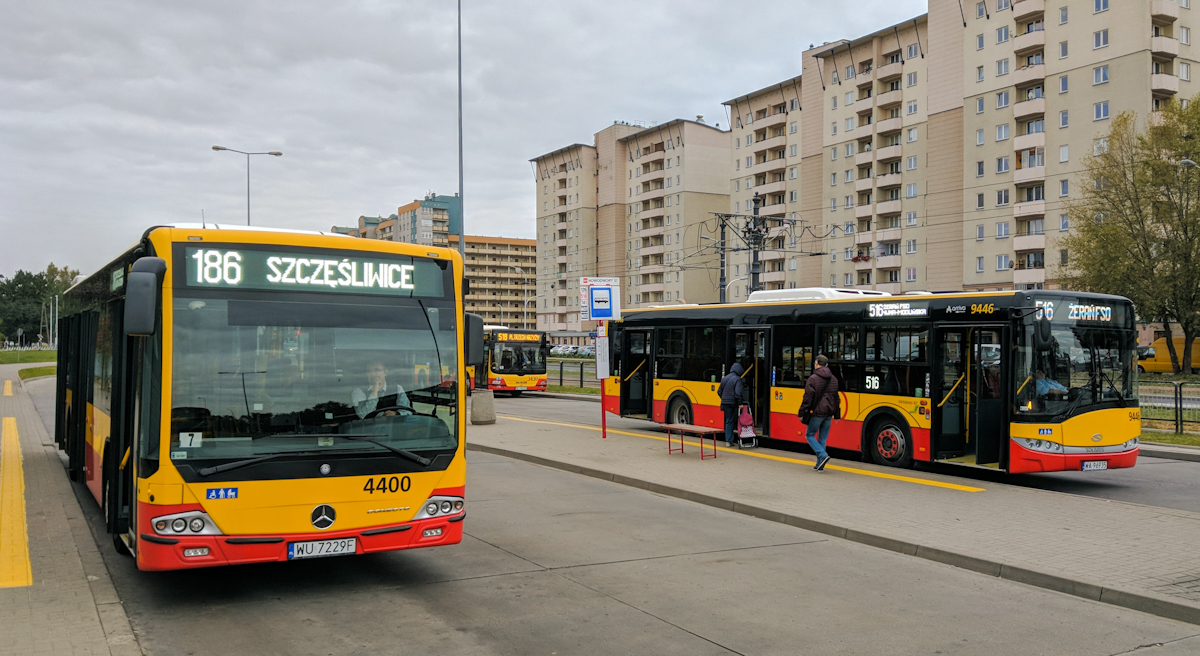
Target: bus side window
794 354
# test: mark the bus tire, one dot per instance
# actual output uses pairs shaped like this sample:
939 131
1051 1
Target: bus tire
515 393
679 411
890 442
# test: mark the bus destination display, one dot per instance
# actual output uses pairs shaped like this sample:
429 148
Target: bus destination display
256 269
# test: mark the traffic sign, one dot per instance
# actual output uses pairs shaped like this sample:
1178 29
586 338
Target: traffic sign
599 299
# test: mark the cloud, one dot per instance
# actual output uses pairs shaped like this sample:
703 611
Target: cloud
108 110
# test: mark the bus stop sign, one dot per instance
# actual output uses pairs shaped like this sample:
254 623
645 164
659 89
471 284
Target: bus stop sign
600 299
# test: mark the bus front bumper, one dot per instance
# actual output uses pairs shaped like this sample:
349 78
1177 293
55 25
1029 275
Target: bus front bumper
161 552
1026 461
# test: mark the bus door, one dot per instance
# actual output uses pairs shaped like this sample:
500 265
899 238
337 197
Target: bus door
968 394
749 348
635 372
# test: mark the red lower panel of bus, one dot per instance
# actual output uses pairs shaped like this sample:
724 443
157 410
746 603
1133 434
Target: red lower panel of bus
1025 461
702 415
154 555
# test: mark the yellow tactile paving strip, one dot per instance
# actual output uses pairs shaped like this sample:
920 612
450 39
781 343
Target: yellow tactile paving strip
15 567
8 388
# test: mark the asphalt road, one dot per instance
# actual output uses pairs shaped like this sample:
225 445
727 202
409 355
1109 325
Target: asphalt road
1154 481
556 563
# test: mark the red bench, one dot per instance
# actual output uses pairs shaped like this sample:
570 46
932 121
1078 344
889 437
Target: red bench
699 431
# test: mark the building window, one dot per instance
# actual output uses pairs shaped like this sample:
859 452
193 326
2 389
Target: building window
979 74
1001 197
1002 132
849 149
912 162
1064 188
980 10
1100 39
912 246
792 173
833 127
979 42
1064 223
1101 5
792 128
1064 119
833 180
1002 67
912 218
1001 5
912 135
1062 15
850 124
979 265
911 275
1100 75
1001 165
912 191
833 256
1062 49
1063 85
1002 34
1100 146
832 204
1100 111
1185 72
912 105
1002 262
979 169
1002 230
979 137
1064 153
979 204
833 154
912 79
792 196
1185 35
1002 99
849 98
912 51
792 151
979 105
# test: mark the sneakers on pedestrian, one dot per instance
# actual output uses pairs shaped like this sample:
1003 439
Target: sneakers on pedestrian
821 463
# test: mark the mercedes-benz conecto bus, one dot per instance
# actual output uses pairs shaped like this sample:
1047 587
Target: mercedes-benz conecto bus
1025 381
246 395
515 361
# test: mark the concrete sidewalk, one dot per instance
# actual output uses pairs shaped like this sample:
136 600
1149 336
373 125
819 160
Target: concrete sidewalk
1129 555
71 607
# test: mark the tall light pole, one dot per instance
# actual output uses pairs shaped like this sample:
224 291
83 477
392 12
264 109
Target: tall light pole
525 289
462 232
276 153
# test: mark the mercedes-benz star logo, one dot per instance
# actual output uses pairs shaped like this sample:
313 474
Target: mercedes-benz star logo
323 516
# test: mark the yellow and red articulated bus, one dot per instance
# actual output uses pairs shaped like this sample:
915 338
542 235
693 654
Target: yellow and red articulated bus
1024 381
237 395
514 361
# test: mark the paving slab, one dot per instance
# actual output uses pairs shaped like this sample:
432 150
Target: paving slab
1115 552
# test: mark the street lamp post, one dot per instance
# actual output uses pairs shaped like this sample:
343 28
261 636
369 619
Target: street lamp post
525 288
276 153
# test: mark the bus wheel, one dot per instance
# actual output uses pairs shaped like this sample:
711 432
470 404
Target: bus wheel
891 443
680 412
515 393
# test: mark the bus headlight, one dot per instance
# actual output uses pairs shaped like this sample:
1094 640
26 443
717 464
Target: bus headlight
198 522
1130 445
1042 446
440 506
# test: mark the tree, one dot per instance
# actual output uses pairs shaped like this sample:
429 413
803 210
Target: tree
23 297
1136 220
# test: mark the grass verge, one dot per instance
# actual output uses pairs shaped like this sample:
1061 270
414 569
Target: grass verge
16 357
34 372
1181 439
567 389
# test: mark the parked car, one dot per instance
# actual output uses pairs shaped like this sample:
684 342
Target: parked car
557 349
587 350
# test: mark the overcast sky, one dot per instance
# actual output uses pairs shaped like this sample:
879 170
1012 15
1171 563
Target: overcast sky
109 110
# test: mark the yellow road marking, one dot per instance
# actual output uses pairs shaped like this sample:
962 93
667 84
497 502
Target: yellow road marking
8 388
767 456
15 568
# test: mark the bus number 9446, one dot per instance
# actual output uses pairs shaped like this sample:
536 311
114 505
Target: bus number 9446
388 484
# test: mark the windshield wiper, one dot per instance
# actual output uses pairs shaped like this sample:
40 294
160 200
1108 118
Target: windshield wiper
238 464
408 455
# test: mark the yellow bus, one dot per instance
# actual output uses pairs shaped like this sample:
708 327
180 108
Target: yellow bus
237 395
1024 381
514 361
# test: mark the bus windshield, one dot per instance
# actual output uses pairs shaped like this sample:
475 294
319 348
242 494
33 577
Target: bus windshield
1087 367
518 358
257 377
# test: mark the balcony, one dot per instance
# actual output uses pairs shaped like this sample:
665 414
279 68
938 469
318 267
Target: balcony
777 164
1029 42
864 238
864 184
1163 83
776 187
650 288
1164 46
774 276
1027 75
1027 141
773 143
889 99
766 256
1029 209
865 78
889 126
887 207
1029 276
865 157
653 212
864 105
864 265
562 293
652 250
1029 175
1164 10
889 287
889 71
778 209
652 232
656 174
1025 243
561 243
1029 108
561 259
772 120
653 156
888 234
888 153
1024 10
864 211
887 262
561 225
888 180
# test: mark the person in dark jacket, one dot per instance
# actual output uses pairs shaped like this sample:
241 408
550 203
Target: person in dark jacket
821 400
730 390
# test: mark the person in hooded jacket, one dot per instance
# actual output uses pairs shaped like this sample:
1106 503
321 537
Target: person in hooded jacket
821 406
731 390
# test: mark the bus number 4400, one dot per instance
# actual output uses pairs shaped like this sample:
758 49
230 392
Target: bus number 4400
388 484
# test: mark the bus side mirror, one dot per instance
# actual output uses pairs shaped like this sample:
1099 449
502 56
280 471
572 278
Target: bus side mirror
141 296
473 339
1041 335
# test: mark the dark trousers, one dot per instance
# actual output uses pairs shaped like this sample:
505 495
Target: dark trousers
731 422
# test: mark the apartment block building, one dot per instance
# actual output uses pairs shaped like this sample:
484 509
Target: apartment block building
634 205
940 153
501 273
765 163
429 221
